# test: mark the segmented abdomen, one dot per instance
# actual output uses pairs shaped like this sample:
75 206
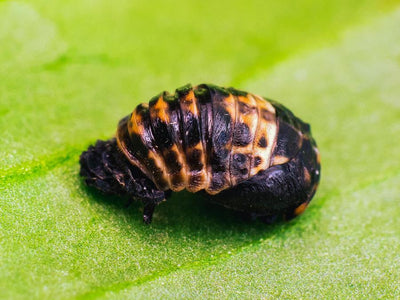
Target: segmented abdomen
206 137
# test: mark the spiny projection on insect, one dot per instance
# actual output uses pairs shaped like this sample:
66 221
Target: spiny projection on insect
243 151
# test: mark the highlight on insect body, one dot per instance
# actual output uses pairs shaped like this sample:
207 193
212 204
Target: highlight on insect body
243 151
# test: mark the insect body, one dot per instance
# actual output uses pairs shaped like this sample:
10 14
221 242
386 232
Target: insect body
245 152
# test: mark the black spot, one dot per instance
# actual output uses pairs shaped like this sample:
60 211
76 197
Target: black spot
239 157
135 145
262 142
191 129
161 134
193 160
257 161
244 171
288 140
171 162
215 162
241 135
222 127
218 181
239 165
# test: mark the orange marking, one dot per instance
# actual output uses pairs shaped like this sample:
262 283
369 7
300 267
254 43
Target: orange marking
159 162
307 176
301 208
136 121
160 110
132 126
188 103
314 189
268 106
212 192
279 160
249 101
318 155
266 128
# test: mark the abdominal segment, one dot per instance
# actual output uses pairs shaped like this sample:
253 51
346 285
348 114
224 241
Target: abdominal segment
206 137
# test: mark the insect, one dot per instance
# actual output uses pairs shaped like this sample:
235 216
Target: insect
243 151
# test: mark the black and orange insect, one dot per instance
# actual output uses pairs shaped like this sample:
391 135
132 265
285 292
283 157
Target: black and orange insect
245 152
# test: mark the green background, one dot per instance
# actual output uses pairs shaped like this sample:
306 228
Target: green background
69 70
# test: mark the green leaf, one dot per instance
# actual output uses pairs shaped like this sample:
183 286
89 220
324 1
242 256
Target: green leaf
70 70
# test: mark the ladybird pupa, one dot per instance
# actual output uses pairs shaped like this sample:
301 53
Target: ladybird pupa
245 152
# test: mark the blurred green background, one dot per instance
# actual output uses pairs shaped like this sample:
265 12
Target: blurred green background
69 70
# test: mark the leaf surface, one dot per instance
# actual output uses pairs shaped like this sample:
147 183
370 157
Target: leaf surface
70 70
